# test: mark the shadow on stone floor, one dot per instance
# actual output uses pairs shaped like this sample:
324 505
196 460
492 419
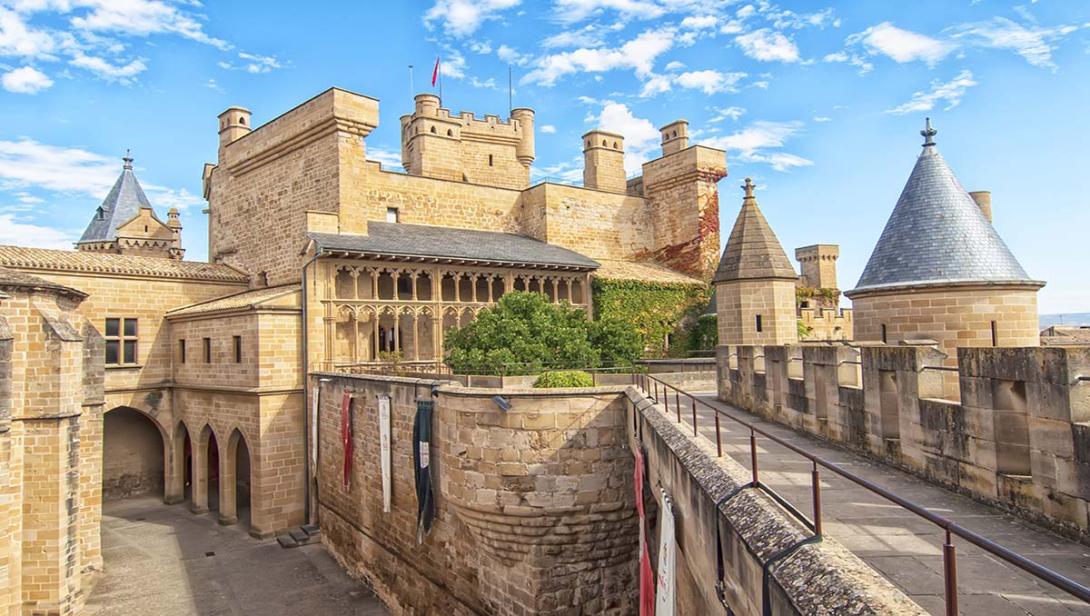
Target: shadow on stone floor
162 559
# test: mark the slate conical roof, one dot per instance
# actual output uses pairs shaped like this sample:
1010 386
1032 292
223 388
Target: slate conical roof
937 234
752 250
121 205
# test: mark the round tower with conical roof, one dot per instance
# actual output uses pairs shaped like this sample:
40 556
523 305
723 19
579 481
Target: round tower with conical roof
755 283
941 272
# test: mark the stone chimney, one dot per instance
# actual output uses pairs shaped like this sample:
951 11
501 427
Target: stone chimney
983 199
675 136
603 161
234 124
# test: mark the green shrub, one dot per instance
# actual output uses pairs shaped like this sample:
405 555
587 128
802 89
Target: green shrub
564 378
652 309
524 333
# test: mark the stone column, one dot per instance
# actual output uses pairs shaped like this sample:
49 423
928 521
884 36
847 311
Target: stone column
228 505
175 470
355 274
199 474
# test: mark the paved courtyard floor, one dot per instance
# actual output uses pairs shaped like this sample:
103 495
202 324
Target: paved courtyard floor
903 547
162 559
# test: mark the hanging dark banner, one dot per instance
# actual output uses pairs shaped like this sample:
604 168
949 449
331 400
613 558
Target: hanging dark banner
346 439
422 461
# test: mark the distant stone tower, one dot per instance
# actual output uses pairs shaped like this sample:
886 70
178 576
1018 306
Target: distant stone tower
941 272
755 283
603 161
437 144
125 223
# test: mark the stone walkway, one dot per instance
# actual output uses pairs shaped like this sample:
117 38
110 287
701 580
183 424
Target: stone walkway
161 559
900 545
903 547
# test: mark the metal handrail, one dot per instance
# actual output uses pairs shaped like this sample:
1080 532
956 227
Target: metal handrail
950 527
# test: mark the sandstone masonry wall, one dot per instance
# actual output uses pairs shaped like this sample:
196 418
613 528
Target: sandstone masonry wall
535 513
1016 438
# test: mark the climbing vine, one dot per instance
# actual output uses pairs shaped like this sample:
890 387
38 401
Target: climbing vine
654 309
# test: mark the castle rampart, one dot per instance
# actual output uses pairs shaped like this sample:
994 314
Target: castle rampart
1017 437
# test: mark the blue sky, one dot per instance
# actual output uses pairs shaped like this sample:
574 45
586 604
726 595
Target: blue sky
821 103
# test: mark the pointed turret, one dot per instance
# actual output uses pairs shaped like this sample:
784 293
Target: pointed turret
940 271
755 283
125 223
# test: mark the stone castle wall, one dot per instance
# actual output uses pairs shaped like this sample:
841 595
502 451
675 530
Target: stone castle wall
535 513
1017 437
827 323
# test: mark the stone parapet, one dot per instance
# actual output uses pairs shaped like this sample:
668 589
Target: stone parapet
1017 437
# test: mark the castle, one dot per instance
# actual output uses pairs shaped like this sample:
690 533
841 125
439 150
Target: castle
125 369
187 379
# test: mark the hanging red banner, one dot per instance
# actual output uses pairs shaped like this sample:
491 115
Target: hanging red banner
647 575
346 438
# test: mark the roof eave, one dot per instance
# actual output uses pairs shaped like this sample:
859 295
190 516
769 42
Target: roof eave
939 284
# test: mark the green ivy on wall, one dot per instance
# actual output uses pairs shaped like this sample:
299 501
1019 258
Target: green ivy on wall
654 309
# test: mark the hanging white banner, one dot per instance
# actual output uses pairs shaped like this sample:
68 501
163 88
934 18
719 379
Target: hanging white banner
384 448
664 594
314 431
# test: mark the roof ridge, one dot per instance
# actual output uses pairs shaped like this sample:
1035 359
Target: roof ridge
105 263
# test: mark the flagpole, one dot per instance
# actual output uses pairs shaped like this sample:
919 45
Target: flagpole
510 92
411 85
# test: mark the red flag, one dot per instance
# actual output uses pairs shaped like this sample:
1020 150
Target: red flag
346 438
435 72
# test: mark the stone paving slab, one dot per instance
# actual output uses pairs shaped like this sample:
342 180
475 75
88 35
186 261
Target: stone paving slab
162 559
903 547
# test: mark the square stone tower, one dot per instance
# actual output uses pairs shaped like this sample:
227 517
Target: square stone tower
603 161
818 265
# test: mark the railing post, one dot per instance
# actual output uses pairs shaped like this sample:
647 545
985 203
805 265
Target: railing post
665 396
718 443
677 404
753 455
815 479
950 571
694 415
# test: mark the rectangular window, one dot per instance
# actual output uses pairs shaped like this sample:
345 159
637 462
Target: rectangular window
181 351
391 214
995 334
121 339
238 349
759 324
884 334
489 160
207 350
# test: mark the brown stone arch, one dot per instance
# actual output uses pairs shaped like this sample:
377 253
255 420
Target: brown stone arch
180 468
235 480
135 454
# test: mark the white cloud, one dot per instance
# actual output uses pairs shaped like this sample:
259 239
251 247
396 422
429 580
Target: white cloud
949 92
548 129
701 22
588 36
512 56
571 11
901 45
25 80
141 18
17 38
723 113
258 63
768 45
462 17
822 119
120 73
675 66
481 47
753 142
568 171
640 135
12 231
787 19
638 54
1033 43
388 158
212 85
851 58
710 81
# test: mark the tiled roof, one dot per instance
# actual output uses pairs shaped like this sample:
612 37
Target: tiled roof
103 263
642 270
120 206
399 241
937 234
246 299
14 278
752 250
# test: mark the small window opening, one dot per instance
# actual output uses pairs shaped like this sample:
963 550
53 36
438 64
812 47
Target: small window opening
884 339
238 349
207 350
604 144
145 228
181 351
433 130
450 133
489 160
616 146
760 325
242 121
995 334
392 215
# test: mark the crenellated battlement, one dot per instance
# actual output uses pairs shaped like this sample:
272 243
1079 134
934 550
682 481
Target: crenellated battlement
1017 434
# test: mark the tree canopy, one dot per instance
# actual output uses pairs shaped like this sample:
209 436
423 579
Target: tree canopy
524 333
